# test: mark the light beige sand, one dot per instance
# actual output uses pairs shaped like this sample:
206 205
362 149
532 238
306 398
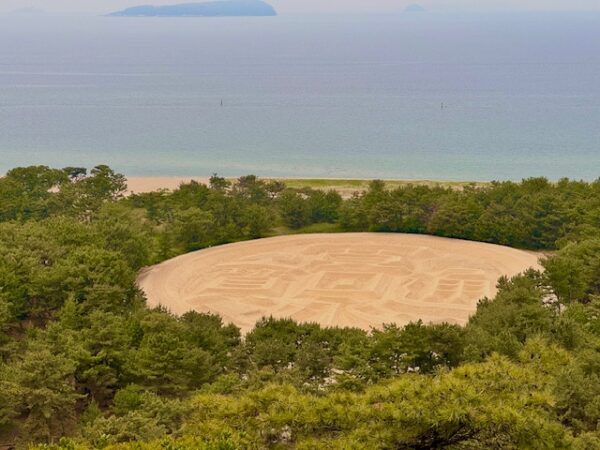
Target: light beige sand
346 188
141 185
354 279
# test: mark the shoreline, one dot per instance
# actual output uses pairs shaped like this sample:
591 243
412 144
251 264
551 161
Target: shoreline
345 186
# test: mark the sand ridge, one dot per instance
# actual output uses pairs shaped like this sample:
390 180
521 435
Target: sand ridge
351 279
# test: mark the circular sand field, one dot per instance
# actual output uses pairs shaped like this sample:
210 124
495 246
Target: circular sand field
355 279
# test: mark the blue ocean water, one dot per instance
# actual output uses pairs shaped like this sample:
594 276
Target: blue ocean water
305 96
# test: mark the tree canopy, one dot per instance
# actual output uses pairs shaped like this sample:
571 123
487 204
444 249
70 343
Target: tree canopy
84 363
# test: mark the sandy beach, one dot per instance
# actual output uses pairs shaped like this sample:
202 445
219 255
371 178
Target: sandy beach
140 185
345 187
354 279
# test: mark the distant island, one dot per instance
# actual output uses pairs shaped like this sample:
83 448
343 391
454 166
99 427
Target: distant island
226 8
414 8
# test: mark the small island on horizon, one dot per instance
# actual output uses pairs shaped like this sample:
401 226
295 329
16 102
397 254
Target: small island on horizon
222 8
414 8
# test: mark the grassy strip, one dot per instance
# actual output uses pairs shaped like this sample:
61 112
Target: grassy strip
323 183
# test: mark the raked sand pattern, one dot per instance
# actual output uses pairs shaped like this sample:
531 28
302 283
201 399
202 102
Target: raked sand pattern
354 279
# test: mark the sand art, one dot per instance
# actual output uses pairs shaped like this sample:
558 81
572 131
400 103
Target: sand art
353 279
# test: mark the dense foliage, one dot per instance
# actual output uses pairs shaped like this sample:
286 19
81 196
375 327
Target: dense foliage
85 364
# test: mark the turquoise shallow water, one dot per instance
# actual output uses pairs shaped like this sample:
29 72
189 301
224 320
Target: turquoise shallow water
305 96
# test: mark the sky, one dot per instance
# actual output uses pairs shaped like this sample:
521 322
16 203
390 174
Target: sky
323 6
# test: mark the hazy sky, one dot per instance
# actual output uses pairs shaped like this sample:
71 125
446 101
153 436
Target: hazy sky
317 6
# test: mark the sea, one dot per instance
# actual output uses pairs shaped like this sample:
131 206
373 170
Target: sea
407 96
